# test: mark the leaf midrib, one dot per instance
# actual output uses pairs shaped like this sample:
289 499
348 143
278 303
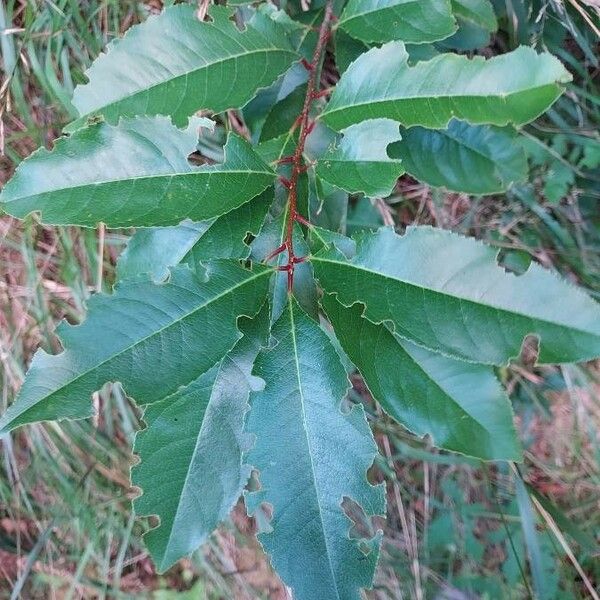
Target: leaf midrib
307 437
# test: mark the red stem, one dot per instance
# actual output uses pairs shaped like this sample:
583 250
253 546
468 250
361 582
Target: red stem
297 163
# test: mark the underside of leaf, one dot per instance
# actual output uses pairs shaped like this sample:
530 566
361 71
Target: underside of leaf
310 456
191 470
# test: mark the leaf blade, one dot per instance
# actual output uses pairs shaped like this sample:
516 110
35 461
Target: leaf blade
447 293
136 336
191 470
412 21
459 404
195 60
307 485
133 174
359 163
511 88
474 159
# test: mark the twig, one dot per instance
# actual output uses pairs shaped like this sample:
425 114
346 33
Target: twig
297 160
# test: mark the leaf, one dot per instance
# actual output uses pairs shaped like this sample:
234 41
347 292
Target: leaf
512 88
310 456
175 64
191 470
152 337
154 250
359 163
328 205
460 405
475 159
134 174
416 21
476 21
447 293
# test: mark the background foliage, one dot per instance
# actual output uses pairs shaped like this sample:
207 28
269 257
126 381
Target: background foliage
65 522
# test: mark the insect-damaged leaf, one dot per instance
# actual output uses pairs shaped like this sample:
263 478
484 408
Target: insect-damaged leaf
191 470
460 405
134 174
310 456
359 162
175 64
152 337
155 249
515 87
447 293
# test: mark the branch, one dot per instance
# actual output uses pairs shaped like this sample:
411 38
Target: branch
297 160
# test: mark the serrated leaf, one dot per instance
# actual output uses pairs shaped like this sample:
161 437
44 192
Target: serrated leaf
460 405
447 293
152 337
175 64
359 162
134 174
191 471
154 250
416 21
476 159
511 88
310 456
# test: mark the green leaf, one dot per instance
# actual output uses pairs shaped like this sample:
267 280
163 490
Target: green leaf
152 337
476 22
476 159
310 456
191 470
359 163
447 293
512 88
416 21
460 405
154 250
134 174
175 64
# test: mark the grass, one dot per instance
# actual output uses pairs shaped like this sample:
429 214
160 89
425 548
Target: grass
456 528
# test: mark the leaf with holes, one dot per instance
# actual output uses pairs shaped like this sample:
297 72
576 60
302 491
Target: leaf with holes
241 306
190 469
360 163
300 427
447 293
174 64
511 88
151 337
427 392
133 174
